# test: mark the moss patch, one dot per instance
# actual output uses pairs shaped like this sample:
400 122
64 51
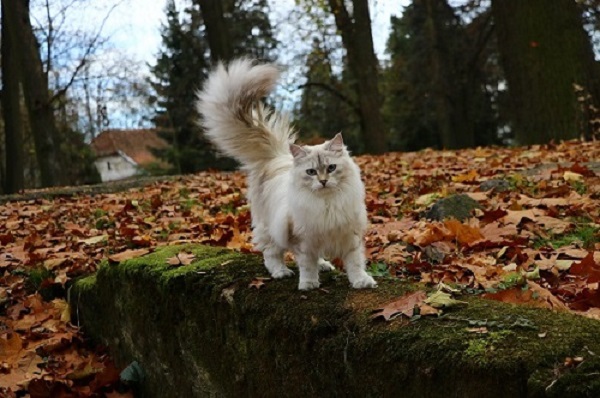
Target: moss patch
200 330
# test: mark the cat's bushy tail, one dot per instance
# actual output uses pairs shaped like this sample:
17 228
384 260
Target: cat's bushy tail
234 118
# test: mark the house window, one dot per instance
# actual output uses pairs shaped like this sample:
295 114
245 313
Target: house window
108 165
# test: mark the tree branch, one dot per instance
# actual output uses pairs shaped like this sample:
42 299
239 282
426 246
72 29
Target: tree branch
83 61
334 92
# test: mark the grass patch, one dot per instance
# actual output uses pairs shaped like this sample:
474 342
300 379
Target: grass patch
584 235
479 348
378 270
41 280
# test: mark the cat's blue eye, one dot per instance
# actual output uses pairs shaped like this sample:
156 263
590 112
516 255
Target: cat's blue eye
311 172
331 168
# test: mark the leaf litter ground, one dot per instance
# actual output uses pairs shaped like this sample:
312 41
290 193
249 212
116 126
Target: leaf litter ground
534 241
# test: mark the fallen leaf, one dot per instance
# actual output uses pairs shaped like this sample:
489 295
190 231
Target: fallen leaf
516 216
182 258
472 175
404 305
587 268
83 371
571 176
426 309
442 299
478 330
534 295
464 234
94 239
258 283
128 255
545 296
10 347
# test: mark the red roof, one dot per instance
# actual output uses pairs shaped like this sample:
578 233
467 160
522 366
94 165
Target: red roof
134 143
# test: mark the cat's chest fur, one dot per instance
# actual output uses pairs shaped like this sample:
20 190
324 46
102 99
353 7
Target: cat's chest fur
327 215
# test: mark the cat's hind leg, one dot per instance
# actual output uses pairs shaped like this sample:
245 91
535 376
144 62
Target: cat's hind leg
273 254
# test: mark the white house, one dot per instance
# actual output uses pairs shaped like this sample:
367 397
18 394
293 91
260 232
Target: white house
124 153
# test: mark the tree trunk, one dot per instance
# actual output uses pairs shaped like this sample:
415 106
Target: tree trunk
11 110
363 65
441 92
217 33
544 51
35 88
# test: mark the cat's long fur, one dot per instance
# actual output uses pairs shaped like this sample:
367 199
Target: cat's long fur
308 199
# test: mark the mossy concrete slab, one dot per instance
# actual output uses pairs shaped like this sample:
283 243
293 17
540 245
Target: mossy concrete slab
201 331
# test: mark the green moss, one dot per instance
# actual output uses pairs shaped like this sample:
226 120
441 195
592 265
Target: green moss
479 348
87 283
36 276
584 235
235 340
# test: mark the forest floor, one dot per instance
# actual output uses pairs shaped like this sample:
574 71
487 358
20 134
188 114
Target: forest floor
535 240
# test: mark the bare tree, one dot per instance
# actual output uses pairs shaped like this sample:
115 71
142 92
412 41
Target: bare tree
93 85
357 38
48 69
35 89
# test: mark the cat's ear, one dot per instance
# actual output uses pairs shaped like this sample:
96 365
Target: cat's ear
297 151
336 144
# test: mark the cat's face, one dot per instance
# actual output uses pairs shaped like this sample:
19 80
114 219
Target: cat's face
321 168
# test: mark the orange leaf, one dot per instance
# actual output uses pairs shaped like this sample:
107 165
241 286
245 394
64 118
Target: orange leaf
534 295
470 176
433 233
10 347
465 234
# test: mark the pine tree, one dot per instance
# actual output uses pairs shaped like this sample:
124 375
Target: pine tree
326 106
182 65
250 28
178 68
435 86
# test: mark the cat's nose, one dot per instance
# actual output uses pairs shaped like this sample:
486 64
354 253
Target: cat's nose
323 182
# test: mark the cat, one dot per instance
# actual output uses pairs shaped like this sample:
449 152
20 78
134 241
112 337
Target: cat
309 200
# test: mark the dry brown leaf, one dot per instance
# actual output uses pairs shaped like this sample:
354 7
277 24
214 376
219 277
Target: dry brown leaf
405 305
182 258
258 282
128 255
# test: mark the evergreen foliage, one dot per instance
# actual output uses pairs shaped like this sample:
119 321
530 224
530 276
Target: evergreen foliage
436 93
183 64
327 105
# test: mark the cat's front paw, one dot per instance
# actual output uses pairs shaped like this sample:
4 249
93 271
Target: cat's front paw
325 265
365 281
308 285
282 273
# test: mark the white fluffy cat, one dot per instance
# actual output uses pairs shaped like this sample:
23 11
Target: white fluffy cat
306 199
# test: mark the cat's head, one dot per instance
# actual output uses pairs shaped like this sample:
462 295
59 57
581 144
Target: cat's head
322 168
